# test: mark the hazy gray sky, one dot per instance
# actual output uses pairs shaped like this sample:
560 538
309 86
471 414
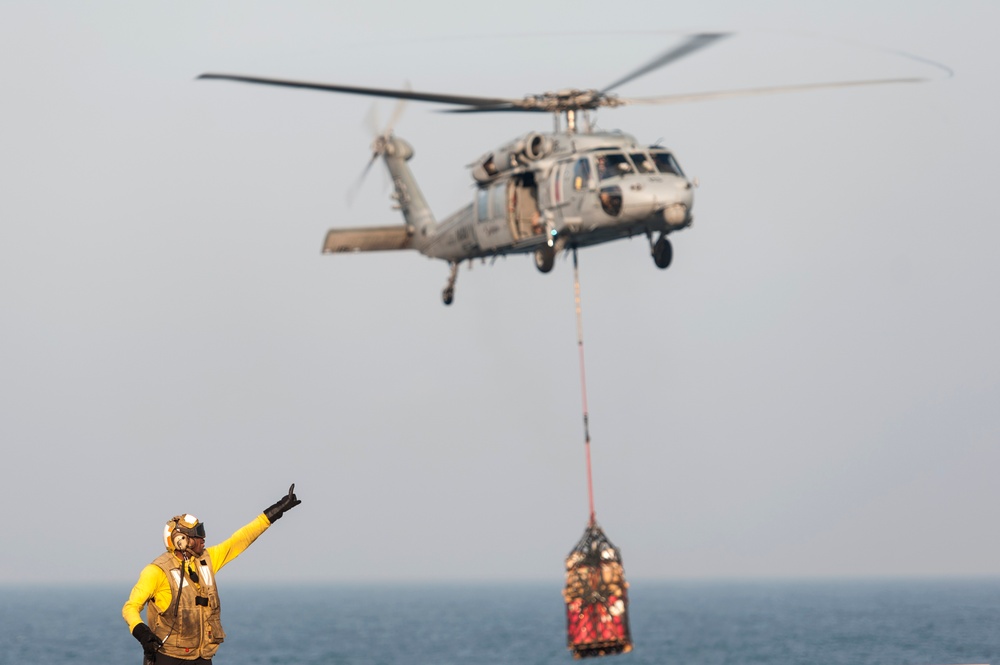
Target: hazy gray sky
811 389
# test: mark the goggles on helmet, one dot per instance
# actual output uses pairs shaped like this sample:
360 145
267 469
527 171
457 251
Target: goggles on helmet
190 525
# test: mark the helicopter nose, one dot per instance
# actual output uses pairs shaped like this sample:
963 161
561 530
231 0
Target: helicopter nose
670 198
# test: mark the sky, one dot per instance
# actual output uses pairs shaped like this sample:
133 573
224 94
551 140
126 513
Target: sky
810 390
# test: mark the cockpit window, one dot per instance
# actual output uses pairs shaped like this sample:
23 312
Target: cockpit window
665 163
611 164
643 163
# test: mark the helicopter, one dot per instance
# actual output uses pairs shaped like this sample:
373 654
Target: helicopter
543 192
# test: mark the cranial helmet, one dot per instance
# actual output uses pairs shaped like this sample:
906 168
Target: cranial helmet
179 530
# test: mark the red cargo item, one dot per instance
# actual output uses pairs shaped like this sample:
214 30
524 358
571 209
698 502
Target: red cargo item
596 596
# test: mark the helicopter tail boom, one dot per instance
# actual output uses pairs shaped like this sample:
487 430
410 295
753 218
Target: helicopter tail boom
367 239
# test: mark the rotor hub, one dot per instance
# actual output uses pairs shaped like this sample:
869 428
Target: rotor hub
569 100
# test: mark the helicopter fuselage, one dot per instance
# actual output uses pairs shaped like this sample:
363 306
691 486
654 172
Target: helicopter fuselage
566 189
536 195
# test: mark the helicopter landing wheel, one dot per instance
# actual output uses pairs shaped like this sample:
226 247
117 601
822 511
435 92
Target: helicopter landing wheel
545 258
448 295
663 253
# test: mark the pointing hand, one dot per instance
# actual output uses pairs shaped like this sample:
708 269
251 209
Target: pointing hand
274 513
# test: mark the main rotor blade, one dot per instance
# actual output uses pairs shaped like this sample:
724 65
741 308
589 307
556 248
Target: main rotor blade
748 92
464 100
692 44
510 107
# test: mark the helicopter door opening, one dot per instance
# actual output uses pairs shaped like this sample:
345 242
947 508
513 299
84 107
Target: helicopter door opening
525 218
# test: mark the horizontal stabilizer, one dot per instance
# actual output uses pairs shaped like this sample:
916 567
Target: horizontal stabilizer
370 239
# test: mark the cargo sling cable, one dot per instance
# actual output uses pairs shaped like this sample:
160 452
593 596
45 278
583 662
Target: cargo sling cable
583 384
596 592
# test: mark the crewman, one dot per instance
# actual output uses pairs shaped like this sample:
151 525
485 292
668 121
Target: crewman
179 592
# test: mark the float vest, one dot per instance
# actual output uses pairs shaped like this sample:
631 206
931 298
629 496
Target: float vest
196 632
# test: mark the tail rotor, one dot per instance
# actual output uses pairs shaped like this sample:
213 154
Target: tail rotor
381 140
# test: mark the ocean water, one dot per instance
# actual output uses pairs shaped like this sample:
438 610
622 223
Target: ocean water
898 622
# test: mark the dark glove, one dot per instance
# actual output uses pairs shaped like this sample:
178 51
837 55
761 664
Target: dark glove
288 502
148 639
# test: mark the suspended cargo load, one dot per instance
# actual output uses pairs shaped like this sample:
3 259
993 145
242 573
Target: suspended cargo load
596 596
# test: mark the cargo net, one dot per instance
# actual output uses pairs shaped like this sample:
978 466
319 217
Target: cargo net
596 597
